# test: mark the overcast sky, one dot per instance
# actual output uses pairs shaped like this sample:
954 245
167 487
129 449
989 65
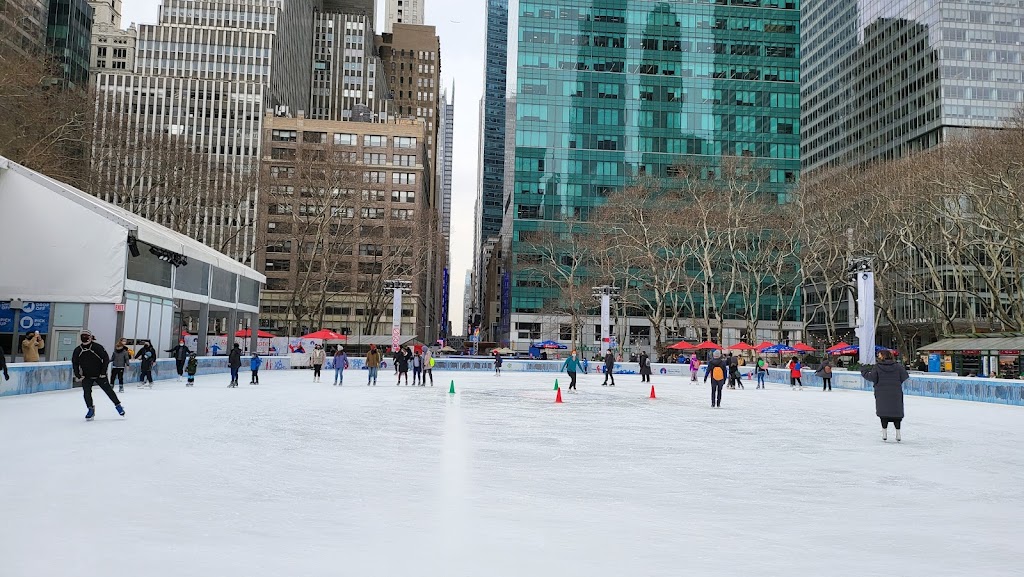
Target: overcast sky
460 24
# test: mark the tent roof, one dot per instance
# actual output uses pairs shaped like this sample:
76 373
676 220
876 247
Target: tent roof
146 231
1000 343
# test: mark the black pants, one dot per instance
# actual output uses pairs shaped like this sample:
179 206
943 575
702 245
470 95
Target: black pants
427 372
794 381
117 376
716 393
826 383
734 380
887 420
572 380
256 376
645 377
146 375
180 366
101 382
609 373
316 370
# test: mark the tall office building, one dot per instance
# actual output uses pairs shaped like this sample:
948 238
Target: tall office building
346 79
178 137
445 150
403 12
23 25
69 39
411 60
607 91
491 157
882 79
113 48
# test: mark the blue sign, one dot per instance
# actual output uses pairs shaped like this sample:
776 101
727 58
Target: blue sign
934 363
33 317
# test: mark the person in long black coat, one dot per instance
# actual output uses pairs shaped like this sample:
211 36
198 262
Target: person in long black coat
888 377
645 367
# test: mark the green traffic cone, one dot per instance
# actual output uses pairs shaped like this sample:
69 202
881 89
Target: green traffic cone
451 390
556 384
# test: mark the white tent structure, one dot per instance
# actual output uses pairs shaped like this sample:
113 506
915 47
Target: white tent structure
84 260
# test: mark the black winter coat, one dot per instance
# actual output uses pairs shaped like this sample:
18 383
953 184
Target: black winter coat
148 356
888 378
90 360
645 364
609 361
235 358
402 362
180 352
711 368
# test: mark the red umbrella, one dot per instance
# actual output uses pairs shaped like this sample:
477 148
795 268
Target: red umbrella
840 346
764 346
803 348
741 347
682 346
708 345
259 334
325 335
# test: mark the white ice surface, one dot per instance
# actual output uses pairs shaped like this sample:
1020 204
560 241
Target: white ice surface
292 478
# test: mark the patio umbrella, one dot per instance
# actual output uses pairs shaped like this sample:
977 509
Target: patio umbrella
779 348
259 334
446 349
803 348
761 347
708 345
838 346
549 345
504 351
682 346
741 347
325 335
854 349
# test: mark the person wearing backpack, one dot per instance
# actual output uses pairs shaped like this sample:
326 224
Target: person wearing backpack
761 371
795 373
825 372
718 372
645 368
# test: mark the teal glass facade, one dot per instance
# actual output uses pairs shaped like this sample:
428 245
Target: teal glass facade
608 90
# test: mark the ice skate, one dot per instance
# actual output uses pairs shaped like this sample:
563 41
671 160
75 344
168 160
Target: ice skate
90 414
120 410
898 439
120 389
885 434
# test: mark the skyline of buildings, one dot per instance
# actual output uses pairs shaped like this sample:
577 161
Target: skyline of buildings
403 12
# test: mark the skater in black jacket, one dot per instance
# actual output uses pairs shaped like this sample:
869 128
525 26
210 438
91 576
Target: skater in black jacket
3 364
89 362
402 357
609 368
718 372
645 367
119 362
148 355
888 377
180 354
235 363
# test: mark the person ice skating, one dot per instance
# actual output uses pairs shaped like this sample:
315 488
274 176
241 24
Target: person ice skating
119 362
180 354
235 363
147 354
317 358
417 368
795 373
402 366
191 368
340 364
694 367
428 367
373 358
255 362
718 372
735 377
30 347
645 367
497 363
89 362
572 366
761 371
825 372
887 377
3 364
609 368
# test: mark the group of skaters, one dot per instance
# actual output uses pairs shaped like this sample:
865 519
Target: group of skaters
420 361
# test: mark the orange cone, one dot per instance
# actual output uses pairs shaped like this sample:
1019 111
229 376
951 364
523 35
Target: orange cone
652 393
558 396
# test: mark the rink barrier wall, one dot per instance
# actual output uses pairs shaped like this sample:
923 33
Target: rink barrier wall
28 378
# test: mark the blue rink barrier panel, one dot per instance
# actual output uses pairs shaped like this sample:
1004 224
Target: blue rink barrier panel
27 378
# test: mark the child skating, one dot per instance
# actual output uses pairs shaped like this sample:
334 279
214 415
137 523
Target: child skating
254 365
191 368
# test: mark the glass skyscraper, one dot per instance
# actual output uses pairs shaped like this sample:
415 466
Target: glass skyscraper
882 78
608 90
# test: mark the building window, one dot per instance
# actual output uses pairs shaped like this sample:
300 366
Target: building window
374 158
345 139
377 141
283 135
405 142
405 160
375 177
402 213
403 178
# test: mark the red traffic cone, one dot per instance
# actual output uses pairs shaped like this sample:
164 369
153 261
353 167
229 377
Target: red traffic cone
653 396
558 396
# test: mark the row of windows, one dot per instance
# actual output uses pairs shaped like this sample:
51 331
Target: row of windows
735 48
661 119
663 16
681 69
692 145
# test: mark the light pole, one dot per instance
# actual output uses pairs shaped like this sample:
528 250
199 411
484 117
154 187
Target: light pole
396 287
606 293
863 269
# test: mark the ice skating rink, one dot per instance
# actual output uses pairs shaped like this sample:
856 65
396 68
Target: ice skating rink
295 479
